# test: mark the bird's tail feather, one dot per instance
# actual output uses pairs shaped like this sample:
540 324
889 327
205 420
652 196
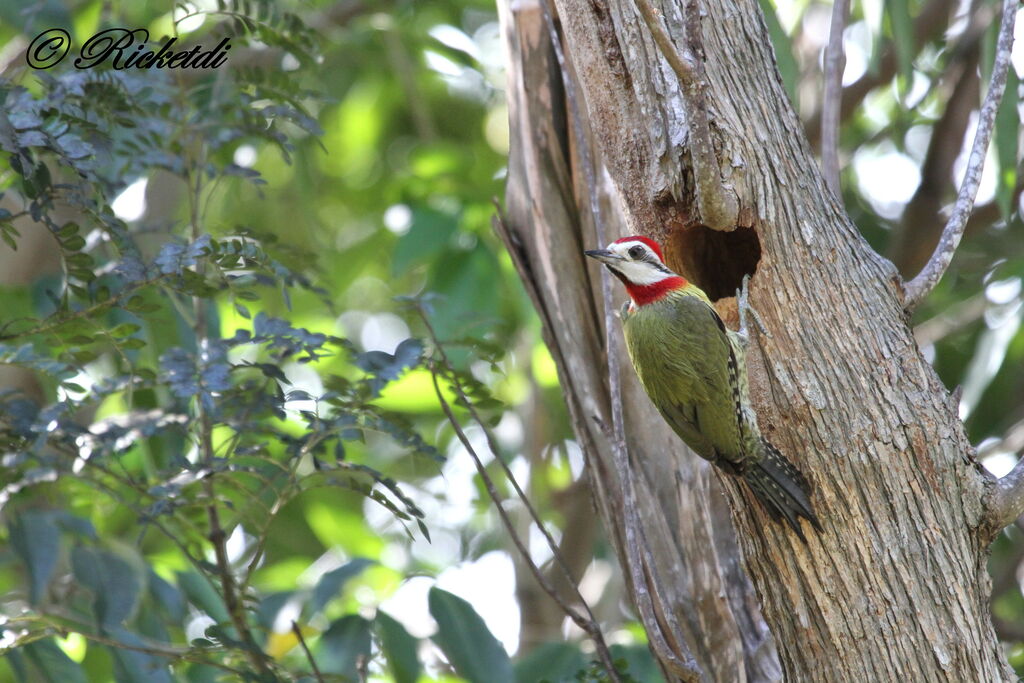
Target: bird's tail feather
782 489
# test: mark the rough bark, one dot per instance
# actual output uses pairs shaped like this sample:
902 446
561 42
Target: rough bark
896 587
708 592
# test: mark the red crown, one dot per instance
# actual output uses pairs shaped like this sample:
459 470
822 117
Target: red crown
646 240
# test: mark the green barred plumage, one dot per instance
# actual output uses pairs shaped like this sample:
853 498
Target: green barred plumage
693 368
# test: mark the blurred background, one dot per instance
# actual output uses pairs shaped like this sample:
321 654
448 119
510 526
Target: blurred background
387 191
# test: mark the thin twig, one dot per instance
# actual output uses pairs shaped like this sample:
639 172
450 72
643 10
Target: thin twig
305 648
589 626
492 443
679 660
925 281
56 320
62 623
716 201
217 536
931 20
835 63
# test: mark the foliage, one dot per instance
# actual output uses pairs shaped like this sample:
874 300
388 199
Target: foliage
192 467
209 424
223 455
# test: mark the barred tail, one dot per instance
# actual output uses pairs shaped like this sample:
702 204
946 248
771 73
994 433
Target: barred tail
782 489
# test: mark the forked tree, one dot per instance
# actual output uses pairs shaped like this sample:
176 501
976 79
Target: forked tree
672 122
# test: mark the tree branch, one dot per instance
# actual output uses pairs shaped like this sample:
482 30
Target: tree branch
589 625
831 99
926 280
929 24
588 622
217 536
716 201
643 574
1006 502
309 655
61 623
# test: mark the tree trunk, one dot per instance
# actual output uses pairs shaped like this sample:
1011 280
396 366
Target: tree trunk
896 587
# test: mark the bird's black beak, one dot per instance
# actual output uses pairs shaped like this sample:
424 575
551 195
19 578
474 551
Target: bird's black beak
603 255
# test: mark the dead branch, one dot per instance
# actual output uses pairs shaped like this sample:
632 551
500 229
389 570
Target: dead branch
925 281
831 99
643 574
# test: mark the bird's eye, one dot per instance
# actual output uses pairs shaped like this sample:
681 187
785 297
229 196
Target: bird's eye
636 252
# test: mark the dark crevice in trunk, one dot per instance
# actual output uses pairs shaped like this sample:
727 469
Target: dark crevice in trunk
714 260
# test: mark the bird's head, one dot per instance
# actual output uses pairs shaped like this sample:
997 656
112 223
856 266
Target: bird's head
638 263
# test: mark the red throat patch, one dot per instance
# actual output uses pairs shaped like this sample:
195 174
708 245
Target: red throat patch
648 294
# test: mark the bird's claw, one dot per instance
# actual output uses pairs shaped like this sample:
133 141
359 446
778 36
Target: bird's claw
742 306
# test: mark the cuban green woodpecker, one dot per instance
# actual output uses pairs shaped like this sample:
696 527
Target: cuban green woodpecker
693 368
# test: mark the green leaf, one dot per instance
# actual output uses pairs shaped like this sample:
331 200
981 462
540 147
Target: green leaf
35 539
8 237
167 596
342 644
132 666
68 229
73 243
201 594
468 283
1006 142
74 524
462 635
385 367
551 661
52 663
331 582
784 59
125 330
399 648
114 582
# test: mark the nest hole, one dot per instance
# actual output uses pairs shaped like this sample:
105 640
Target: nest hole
714 260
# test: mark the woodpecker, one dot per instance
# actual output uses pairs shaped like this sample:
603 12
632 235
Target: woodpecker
694 371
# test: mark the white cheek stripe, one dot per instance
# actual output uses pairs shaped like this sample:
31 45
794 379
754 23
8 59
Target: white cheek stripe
641 273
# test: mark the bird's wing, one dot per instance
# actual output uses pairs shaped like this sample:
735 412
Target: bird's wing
682 418
706 383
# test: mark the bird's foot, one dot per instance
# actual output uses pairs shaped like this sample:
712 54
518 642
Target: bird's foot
742 307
